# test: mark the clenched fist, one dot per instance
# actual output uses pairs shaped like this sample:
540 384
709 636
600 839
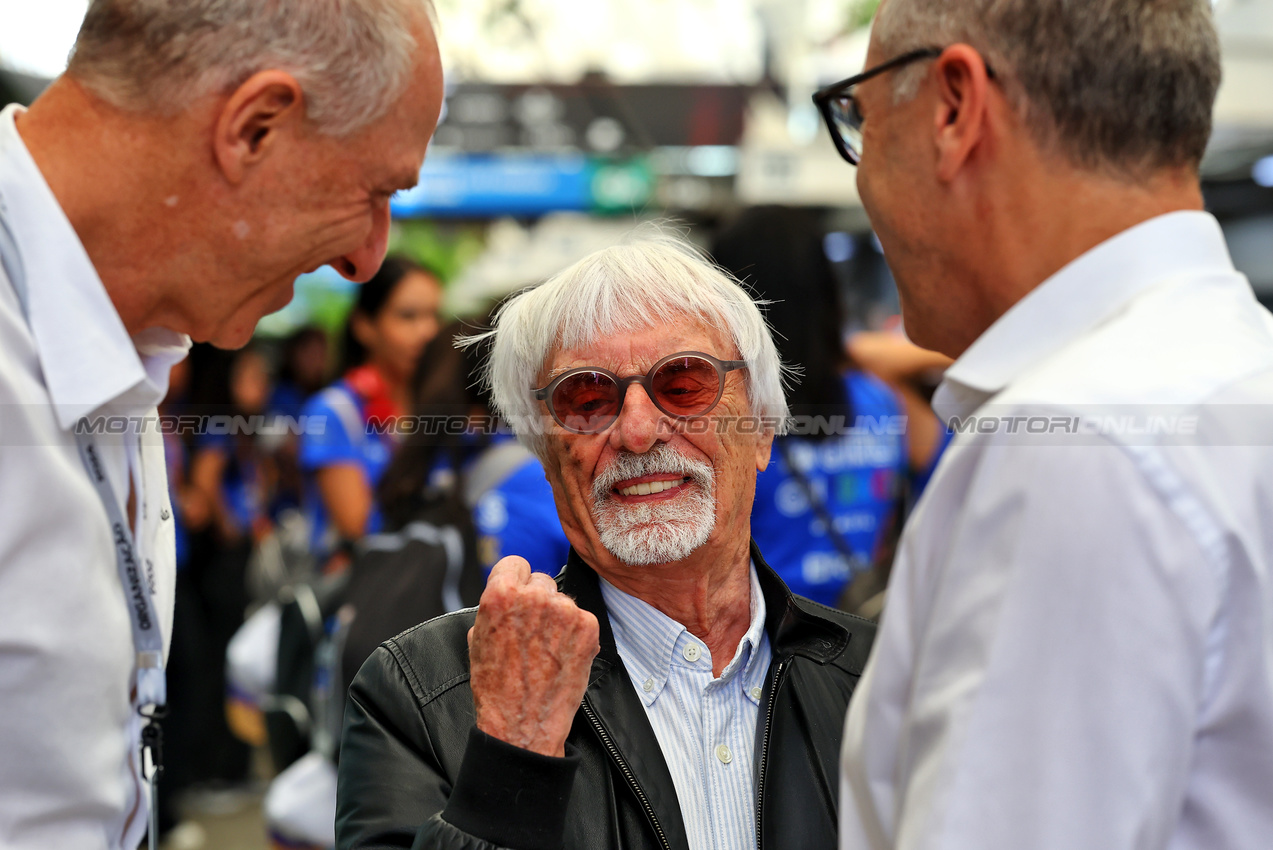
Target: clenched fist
530 650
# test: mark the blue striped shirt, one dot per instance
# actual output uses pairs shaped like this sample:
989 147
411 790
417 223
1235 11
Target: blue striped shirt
706 727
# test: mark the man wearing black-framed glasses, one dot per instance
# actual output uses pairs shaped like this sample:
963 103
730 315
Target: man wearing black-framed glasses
1077 649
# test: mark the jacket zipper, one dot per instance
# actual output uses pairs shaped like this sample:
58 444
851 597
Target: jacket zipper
764 745
627 773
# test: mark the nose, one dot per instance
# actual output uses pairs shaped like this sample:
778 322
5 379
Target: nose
360 264
640 424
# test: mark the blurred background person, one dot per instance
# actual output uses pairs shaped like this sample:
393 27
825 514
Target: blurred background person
425 560
832 492
483 467
235 476
186 657
394 317
222 490
913 373
302 370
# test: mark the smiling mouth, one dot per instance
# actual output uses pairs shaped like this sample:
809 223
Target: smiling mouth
651 488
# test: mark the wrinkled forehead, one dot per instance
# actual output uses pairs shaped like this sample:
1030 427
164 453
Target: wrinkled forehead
633 349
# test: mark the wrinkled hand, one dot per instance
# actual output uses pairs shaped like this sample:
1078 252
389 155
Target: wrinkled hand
530 652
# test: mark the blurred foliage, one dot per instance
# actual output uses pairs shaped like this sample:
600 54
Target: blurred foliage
860 13
447 248
324 298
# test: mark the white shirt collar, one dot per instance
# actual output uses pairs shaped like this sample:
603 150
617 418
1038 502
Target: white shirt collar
86 355
647 640
1082 295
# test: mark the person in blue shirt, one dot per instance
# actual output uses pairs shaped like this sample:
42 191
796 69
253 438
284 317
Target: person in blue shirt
913 373
518 516
229 465
302 371
394 317
458 453
826 505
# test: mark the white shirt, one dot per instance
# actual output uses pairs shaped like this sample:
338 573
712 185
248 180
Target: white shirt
705 726
1077 651
68 732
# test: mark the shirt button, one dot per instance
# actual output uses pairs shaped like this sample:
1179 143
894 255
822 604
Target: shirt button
723 753
755 693
692 653
648 684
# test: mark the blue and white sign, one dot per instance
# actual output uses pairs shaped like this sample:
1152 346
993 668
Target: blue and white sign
498 184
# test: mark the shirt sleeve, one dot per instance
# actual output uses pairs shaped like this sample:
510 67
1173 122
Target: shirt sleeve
1040 669
332 443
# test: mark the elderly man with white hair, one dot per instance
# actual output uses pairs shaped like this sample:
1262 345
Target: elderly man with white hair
194 159
667 690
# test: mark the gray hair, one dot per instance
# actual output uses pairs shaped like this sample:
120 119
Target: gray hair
352 58
1124 86
652 279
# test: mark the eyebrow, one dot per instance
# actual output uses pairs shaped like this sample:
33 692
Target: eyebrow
561 370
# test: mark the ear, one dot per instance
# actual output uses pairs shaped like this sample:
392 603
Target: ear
764 448
960 122
254 119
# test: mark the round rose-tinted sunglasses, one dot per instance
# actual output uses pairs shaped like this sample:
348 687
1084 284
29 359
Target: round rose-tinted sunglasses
684 385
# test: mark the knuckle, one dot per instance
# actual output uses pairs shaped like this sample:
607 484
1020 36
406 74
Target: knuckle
543 582
513 565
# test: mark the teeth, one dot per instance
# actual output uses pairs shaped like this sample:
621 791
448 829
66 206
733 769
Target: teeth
646 489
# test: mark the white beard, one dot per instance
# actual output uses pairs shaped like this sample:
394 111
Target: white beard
655 532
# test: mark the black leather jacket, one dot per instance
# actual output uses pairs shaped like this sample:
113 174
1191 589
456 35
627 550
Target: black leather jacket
415 772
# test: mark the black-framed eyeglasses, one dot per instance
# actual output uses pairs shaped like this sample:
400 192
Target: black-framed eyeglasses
839 107
684 385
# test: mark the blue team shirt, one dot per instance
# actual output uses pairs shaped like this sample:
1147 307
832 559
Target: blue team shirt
519 517
242 487
919 481
344 438
287 400
858 476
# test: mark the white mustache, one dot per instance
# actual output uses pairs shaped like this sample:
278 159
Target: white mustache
660 460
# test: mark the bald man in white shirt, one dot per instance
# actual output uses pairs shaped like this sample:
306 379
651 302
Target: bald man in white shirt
1077 648
195 158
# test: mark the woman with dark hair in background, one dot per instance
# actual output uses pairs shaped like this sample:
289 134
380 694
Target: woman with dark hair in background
302 370
486 471
220 506
394 317
826 504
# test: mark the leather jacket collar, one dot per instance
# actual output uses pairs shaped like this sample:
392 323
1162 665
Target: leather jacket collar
793 624
611 706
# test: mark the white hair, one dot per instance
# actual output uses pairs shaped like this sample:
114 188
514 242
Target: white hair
352 58
655 278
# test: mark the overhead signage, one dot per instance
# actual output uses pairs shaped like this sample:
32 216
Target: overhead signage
479 185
